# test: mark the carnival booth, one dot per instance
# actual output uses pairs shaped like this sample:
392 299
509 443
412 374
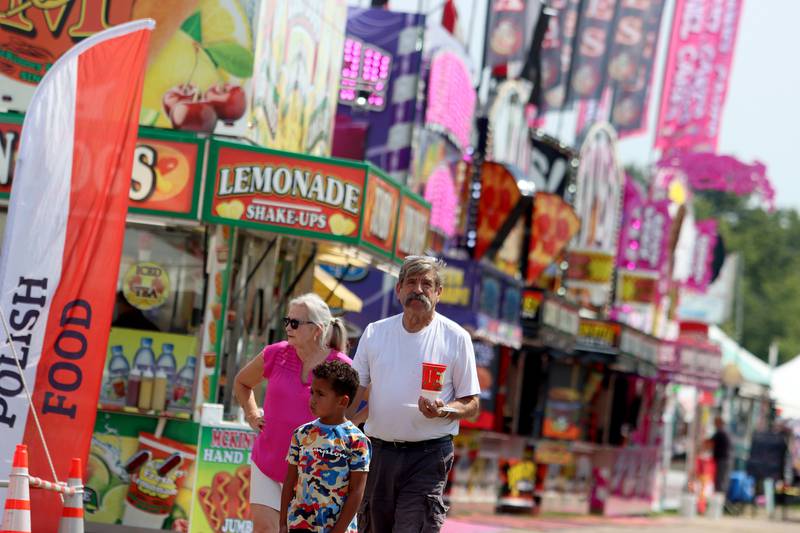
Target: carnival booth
199 293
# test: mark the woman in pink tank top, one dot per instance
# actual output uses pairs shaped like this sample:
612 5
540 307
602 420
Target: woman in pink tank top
314 336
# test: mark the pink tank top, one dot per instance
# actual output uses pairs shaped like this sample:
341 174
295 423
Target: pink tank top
285 406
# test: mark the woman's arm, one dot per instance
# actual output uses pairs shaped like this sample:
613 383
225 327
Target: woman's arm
287 494
355 493
246 380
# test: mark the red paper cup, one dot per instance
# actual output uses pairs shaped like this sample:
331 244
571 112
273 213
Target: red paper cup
433 377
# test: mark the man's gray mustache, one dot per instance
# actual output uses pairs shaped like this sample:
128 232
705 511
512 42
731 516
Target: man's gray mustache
421 297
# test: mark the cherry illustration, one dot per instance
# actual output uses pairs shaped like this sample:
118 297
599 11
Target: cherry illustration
180 93
228 101
193 116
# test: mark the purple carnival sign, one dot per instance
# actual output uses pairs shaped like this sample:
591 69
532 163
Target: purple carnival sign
379 82
644 237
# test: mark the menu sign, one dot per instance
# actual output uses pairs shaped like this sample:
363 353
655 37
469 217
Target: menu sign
285 193
412 226
165 178
380 213
598 335
560 317
166 174
639 345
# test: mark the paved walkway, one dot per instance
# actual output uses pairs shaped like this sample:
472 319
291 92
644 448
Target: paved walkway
669 524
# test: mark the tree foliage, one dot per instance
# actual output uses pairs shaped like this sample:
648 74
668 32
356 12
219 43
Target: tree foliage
769 246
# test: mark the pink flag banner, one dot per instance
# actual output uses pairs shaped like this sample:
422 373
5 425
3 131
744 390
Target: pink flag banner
704 244
697 73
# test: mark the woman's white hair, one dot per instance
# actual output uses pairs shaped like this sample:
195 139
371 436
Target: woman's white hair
334 334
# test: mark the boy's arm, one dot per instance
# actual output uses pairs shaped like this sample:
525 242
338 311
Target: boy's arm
287 493
355 493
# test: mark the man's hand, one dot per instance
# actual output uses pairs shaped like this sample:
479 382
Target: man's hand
431 409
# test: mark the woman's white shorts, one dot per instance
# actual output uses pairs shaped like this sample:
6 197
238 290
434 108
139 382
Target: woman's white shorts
264 490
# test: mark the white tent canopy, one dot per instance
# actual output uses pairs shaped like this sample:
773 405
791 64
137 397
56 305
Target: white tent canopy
786 388
752 369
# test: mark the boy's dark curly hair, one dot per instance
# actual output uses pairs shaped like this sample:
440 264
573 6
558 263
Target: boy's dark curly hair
342 377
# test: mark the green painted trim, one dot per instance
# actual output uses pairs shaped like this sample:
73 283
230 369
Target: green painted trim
12 118
383 175
147 132
414 196
213 382
132 424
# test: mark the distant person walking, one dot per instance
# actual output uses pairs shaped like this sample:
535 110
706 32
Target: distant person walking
313 338
720 444
412 435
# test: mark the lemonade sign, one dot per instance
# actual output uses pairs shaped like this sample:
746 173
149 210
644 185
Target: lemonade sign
285 193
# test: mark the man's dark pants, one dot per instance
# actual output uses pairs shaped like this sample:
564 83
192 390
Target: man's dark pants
404 487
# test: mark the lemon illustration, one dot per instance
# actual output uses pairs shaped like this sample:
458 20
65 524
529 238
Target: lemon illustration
224 33
225 20
97 473
232 209
111 507
341 225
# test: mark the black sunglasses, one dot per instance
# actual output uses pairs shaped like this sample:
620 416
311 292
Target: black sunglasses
294 323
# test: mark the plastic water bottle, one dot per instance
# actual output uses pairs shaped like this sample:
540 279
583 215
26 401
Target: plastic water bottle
145 358
118 369
182 392
166 363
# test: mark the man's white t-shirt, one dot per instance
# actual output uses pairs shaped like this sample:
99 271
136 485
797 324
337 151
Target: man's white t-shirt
390 359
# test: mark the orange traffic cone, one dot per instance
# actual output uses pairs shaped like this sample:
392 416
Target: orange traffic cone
72 513
17 514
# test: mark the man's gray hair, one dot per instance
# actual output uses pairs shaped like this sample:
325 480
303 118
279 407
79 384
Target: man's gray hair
414 265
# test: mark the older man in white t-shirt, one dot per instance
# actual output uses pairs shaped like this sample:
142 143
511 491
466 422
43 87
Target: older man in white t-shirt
412 434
